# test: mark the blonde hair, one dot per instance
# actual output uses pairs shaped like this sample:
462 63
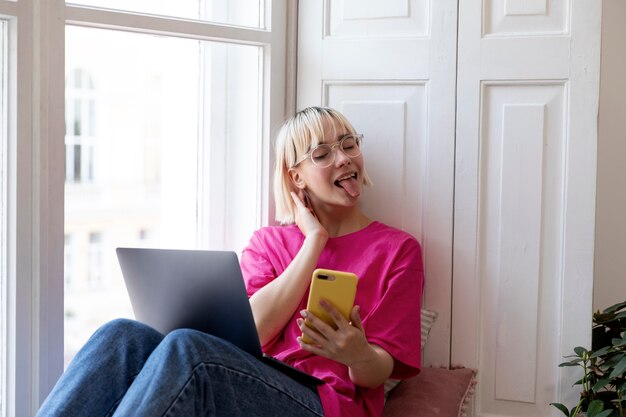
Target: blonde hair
296 137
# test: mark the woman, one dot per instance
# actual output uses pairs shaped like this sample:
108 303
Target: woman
127 368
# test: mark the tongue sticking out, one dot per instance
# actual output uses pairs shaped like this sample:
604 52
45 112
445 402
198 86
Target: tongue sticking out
351 186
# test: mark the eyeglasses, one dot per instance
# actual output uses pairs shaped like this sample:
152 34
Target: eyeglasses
323 155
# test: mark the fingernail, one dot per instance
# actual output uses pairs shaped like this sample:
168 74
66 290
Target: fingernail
304 313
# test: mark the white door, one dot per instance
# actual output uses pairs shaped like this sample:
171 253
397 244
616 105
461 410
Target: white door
524 198
521 130
390 67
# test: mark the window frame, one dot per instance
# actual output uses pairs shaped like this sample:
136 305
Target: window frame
33 286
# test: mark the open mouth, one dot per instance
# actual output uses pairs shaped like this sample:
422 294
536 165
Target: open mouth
346 178
349 184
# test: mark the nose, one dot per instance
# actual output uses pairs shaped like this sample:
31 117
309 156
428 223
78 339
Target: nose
340 157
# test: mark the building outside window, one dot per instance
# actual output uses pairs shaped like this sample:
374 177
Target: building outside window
68 271
96 272
80 127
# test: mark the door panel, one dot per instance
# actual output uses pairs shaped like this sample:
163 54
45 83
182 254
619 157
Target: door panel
383 111
518 238
524 198
390 67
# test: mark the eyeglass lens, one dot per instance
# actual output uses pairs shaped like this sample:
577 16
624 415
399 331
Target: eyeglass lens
323 154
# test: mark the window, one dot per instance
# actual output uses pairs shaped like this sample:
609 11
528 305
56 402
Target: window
144 127
172 136
80 127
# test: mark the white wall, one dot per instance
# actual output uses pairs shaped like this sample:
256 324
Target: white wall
610 254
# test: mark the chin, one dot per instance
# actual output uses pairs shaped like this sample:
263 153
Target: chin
349 201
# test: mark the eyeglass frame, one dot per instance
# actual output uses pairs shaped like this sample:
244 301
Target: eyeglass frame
338 144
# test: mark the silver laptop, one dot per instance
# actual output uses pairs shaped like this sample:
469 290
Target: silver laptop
196 289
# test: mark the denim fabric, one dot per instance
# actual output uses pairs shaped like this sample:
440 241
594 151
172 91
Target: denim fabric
129 369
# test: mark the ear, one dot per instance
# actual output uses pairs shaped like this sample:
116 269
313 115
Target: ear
296 178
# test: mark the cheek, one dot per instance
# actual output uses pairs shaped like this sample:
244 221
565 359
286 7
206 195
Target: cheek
359 162
318 180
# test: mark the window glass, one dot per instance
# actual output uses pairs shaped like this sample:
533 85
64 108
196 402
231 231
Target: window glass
157 129
248 13
79 126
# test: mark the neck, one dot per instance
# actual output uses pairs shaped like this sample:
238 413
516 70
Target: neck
341 222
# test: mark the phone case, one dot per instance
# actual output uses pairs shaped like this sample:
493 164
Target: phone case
338 287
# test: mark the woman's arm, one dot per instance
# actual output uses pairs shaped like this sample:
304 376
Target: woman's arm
372 370
274 304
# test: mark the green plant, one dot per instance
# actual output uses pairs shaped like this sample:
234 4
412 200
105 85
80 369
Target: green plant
603 383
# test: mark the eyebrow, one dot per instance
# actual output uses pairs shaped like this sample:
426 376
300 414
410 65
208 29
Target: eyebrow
339 138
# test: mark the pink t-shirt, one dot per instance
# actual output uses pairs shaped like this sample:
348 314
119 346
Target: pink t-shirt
388 263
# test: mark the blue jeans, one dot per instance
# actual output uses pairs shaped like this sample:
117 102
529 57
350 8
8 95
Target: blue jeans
129 369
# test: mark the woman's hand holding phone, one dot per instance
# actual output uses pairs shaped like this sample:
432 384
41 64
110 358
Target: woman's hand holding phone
331 326
346 344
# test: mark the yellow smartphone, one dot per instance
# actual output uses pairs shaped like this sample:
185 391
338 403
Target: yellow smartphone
338 287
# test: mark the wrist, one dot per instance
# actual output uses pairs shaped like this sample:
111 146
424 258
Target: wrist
317 238
366 370
364 360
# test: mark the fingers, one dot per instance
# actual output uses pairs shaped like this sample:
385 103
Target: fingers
335 315
318 350
355 318
320 330
309 333
314 327
342 344
297 200
306 199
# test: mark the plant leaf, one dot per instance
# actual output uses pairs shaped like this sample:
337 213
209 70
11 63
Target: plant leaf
572 362
619 368
580 351
615 307
575 362
605 413
621 315
601 384
611 360
600 352
618 342
561 407
594 408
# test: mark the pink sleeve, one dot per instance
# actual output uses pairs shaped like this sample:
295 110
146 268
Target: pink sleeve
394 323
257 270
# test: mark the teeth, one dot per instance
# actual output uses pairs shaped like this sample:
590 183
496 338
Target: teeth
347 177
